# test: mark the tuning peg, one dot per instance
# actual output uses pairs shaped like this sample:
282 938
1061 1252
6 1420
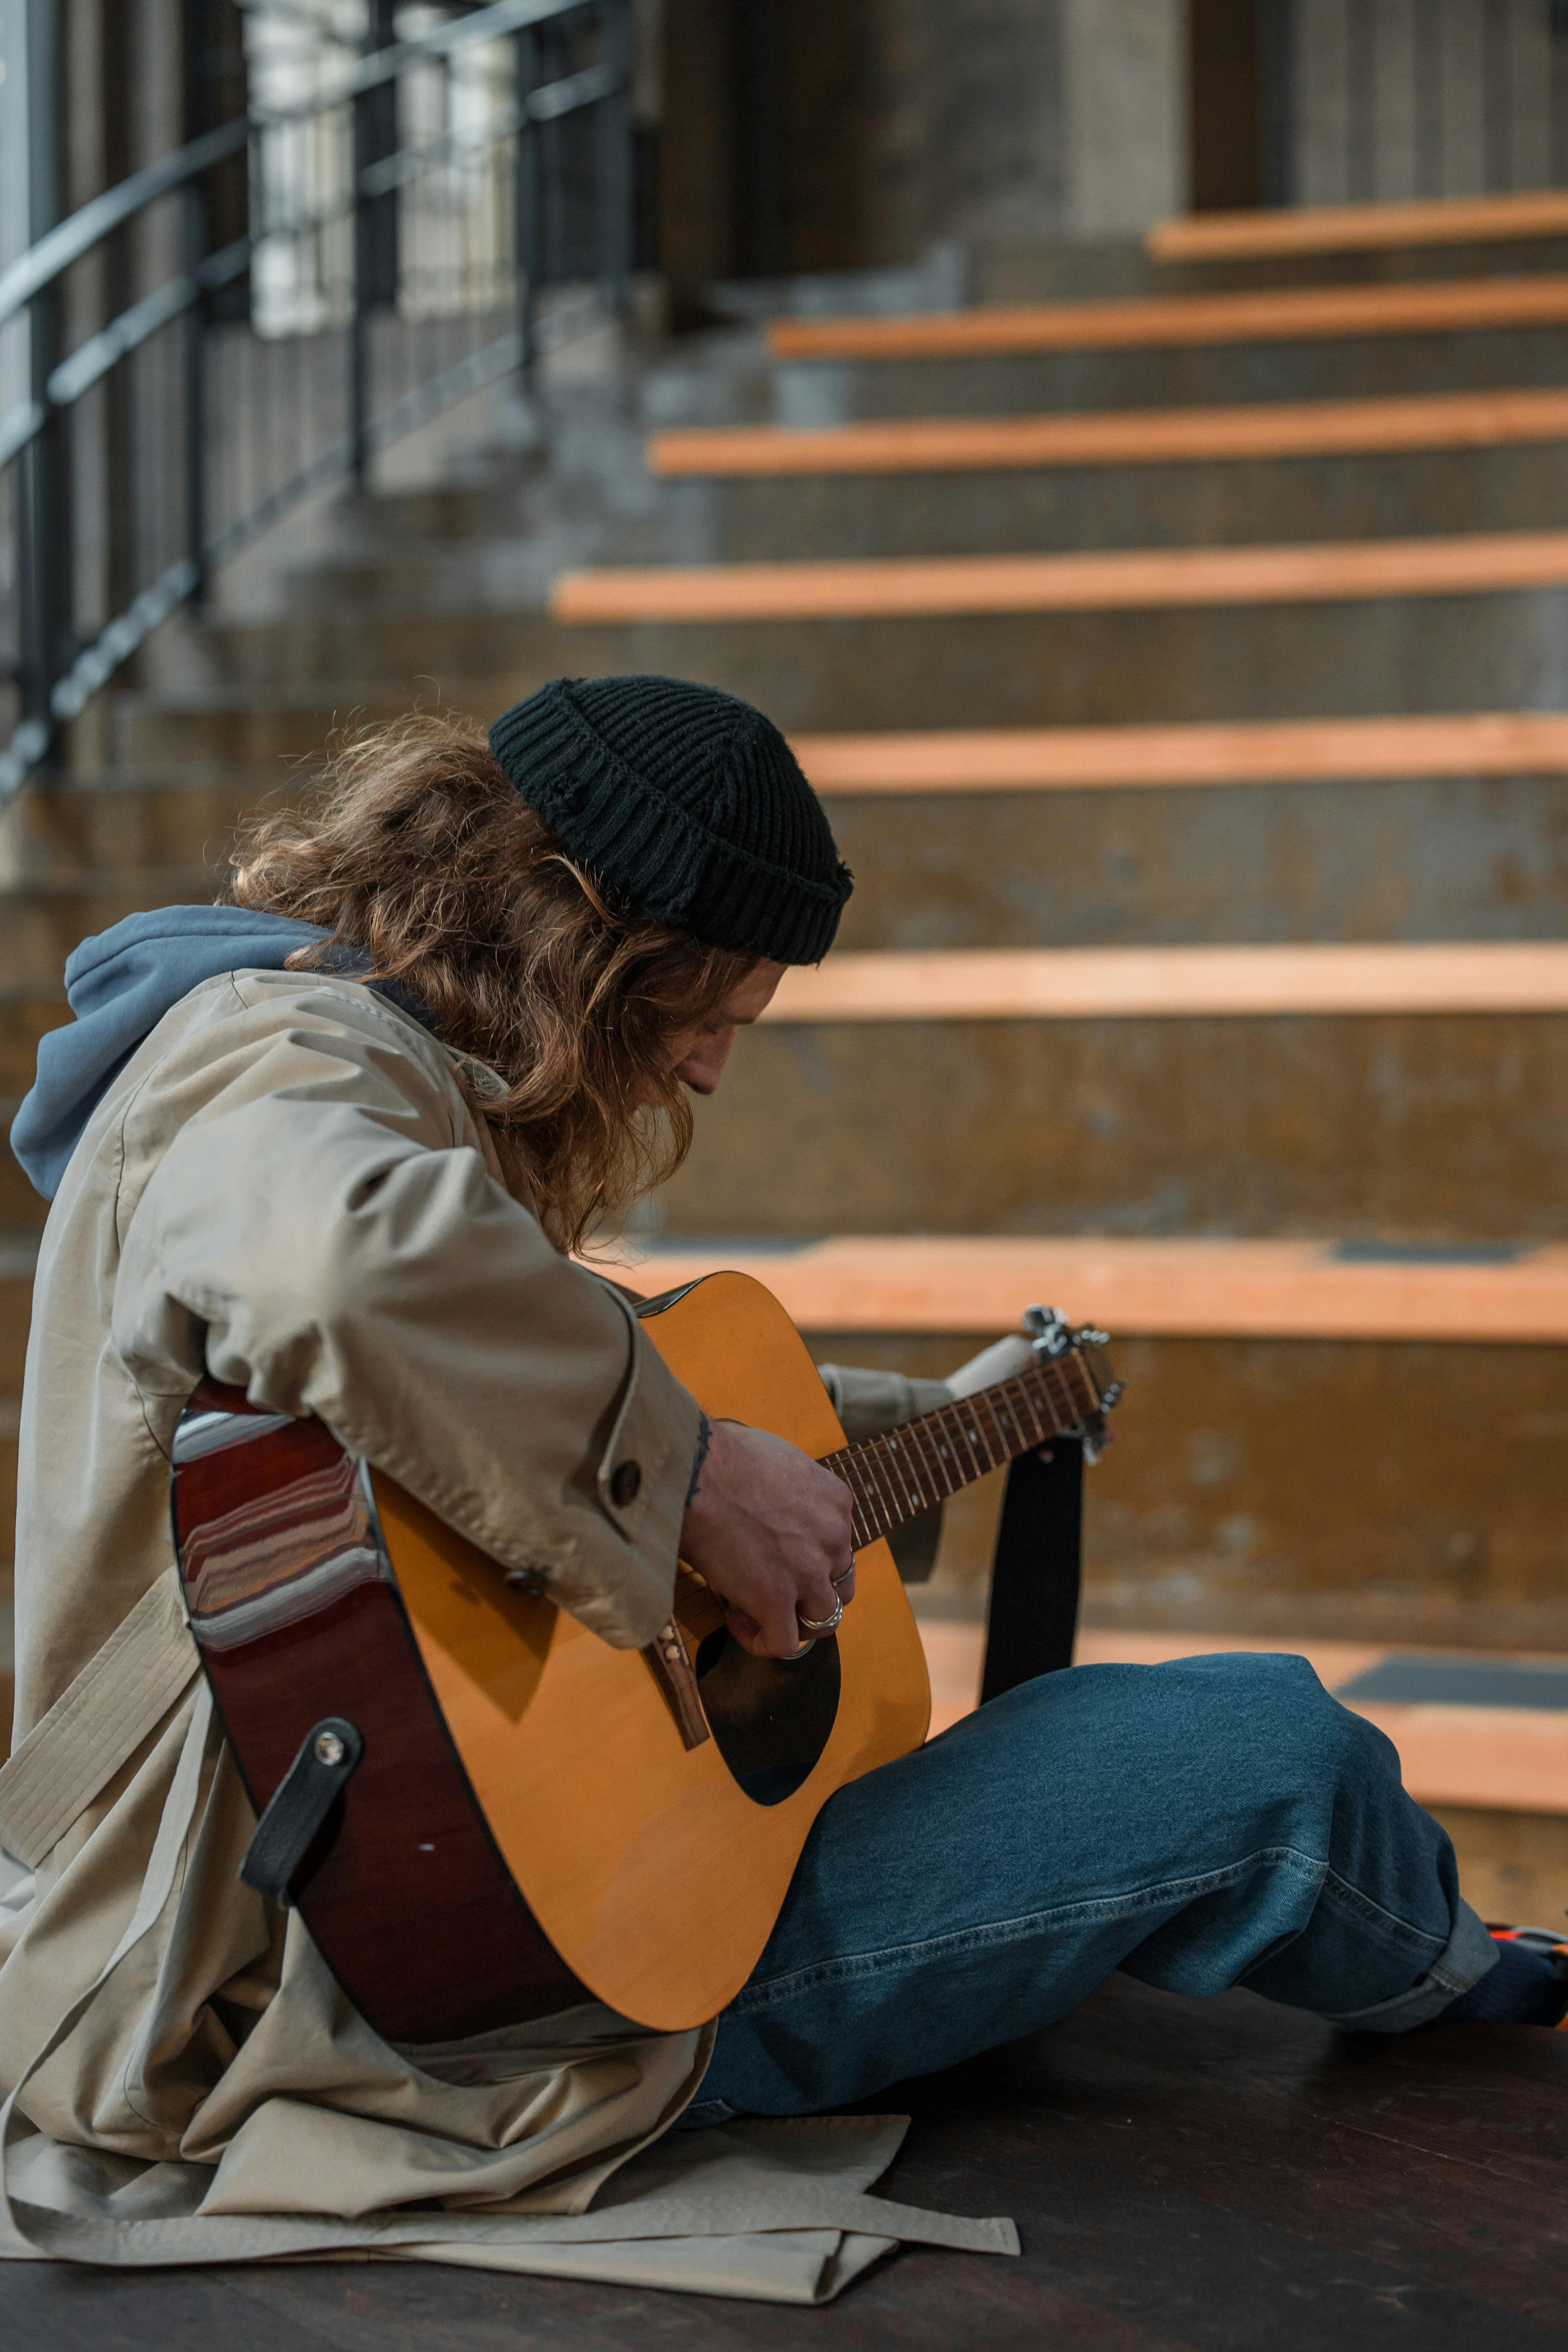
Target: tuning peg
1049 1332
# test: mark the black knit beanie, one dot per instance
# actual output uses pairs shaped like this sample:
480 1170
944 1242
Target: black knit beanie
687 803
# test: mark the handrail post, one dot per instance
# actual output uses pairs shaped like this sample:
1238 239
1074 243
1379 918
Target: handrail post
358 320
526 222
616 176
374 237
1276 108
46 536
193 230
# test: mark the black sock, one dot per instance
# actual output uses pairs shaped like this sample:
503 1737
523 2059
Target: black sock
1523 1988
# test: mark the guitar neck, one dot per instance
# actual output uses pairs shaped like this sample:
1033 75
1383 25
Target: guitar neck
912 1468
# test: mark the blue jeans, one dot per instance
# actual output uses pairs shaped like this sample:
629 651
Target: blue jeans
1209 1823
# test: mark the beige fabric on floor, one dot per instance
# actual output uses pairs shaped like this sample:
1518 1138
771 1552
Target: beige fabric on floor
276 2163
287 1187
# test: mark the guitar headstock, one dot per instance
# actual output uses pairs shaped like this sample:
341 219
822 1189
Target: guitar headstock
1052 1336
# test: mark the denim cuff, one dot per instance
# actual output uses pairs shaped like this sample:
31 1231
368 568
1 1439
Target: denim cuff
703 2114
1466 1957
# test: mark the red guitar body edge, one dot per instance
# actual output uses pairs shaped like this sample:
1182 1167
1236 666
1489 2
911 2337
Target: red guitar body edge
404 1890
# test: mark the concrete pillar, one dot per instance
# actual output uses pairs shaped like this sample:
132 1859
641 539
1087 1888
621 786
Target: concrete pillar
1125 73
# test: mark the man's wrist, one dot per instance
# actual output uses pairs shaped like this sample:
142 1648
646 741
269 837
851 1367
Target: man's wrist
704 1439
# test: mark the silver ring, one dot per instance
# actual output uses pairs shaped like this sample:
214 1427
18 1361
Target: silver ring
843 1576
822 1625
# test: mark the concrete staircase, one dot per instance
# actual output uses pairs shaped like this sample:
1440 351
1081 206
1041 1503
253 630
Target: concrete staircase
1318 766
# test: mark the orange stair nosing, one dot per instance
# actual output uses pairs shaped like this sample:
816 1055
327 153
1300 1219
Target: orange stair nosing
1476 420
1521 976
1512 1759
1350 229
1479 563
1293 314
1193 752
1174 1289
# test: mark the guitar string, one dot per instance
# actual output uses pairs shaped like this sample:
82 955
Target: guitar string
1001 1446
1022 1392
877 1497
885 1494
871 1477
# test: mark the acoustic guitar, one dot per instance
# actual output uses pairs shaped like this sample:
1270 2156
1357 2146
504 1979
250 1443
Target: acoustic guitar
484 1811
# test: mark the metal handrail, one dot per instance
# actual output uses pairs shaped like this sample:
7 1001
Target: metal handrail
74 238
58 697
135 326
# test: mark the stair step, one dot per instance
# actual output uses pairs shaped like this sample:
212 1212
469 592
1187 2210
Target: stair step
1130 664
1511 1758
17 1258
1105 837
1135 436
1483 562
1422 1125
1427 1126
1187 1289
21 1210
40 924
820 394
1095 508
1281 1489
1427 307
10 1421
1459 858
25 1015
84 820
1374 497
1350 229
1033 758
1178 983
101 822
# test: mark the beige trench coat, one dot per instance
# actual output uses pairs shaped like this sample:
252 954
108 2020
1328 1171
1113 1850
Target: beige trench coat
287 1187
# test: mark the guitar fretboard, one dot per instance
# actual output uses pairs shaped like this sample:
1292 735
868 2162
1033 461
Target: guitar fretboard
914 1467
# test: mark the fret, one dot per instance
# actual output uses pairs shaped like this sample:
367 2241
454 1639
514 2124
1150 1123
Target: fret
887 1501
943 1468
1027 1391
944 1462
905 1483
954 1465
918 1445
905 1443
910 1469
1004 1418
987 1400
894 1478
1058 1398
870 1506
964 1412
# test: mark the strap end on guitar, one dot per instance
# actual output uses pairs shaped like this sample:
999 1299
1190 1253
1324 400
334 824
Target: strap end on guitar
329 1755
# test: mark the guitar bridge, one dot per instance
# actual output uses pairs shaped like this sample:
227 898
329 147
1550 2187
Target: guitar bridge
671 1668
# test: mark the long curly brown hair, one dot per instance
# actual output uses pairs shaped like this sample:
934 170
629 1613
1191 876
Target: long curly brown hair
418 850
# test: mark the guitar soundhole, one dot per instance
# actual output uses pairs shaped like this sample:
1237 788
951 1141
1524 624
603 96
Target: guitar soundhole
771 1720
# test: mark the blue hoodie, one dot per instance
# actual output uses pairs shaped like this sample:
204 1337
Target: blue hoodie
120 984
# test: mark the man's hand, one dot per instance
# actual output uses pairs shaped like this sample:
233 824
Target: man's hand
768 1528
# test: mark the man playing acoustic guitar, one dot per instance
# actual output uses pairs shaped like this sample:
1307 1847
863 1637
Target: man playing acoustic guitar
334 1143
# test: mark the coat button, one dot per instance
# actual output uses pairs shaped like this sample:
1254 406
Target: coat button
625 1479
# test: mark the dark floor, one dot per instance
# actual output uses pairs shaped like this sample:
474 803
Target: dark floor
1220 2174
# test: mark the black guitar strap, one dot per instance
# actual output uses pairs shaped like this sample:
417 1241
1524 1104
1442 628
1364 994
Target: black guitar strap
1035 1570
